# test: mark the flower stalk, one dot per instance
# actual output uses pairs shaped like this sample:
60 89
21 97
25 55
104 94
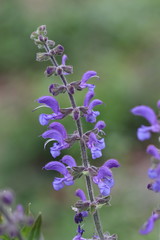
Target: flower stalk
92 139
84 155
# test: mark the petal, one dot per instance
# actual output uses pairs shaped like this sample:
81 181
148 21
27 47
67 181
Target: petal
104 172
54 134
60 128
148 226
69 160
100 144
156 186
104 189
155 152
55 152
152 173
58 183
45 118
88 97
94 103
87 75
100 125
50 102
79 193
57 166
146 112
158 104
143 133
64 59
91 116
111 163
96 153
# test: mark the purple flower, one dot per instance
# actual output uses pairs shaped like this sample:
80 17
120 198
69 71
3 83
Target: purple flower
100 125
66 68
154 172
91 115
149 225
52 103
144 132
56 133
59 183
104 178
80 215
69 160
86 76
95 145
80 231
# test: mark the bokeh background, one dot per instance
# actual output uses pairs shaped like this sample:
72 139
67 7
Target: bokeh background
119 39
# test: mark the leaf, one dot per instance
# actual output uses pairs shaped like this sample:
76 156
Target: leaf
35 233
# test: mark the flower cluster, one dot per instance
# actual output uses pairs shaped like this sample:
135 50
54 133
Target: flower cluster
56 132
144 133
12 221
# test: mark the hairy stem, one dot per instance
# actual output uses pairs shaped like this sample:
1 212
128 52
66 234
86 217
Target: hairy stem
83 153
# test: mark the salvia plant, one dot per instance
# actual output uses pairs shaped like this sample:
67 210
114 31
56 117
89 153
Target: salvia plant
20 224
144 133
92 140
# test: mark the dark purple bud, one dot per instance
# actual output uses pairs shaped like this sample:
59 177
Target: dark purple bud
55 89
7 197
76 114
41 38
59 71
58 50
50 70
78 218
70 89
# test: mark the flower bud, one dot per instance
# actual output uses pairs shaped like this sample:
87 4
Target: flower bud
50 43
7 197
70 89
42 56
34 35
50 70
58 50
55 89
76 114
67 69
42 30
59 71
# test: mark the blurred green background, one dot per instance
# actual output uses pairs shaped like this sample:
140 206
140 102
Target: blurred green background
120 40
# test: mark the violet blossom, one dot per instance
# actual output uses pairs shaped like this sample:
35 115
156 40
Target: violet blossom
144 132
104 178
57 133
80 215
86 76
91 115
52 103
149 225
154 171
95 145
59 183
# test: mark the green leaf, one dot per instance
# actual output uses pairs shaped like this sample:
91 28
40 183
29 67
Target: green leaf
35 233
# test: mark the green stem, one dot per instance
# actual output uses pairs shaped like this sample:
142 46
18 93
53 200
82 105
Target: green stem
83 153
